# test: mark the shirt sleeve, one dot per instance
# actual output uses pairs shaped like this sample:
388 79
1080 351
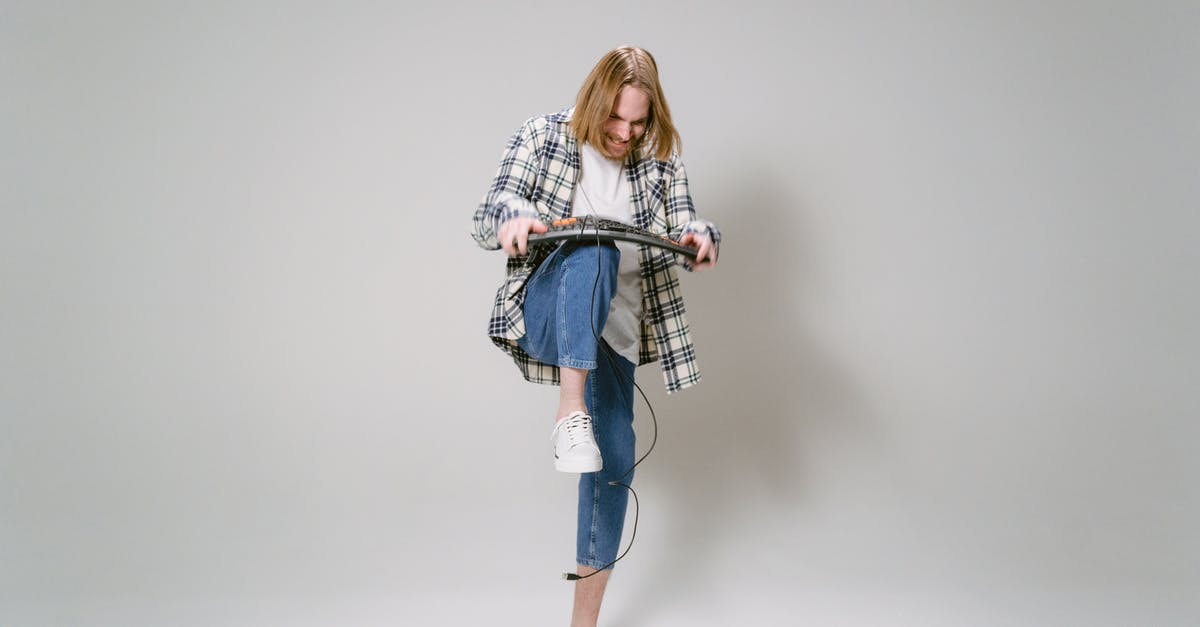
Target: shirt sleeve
512 188
681 212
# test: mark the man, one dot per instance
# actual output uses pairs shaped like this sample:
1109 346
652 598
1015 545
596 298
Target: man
584 315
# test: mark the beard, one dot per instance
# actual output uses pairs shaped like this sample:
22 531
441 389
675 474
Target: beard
619 152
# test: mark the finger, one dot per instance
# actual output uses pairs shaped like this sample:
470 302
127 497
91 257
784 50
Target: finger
707 253
522 240
506 241
690 240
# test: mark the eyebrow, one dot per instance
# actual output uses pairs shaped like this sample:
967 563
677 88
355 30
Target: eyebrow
642 120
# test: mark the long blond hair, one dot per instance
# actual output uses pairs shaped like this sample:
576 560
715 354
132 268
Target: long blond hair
623 66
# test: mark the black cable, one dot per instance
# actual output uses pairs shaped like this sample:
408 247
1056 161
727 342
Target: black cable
608 354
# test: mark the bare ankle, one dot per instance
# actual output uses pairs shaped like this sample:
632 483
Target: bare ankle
570 391
567 410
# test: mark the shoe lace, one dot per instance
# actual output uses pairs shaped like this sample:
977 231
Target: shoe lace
578 430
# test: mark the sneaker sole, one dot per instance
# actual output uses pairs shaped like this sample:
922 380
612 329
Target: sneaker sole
578 465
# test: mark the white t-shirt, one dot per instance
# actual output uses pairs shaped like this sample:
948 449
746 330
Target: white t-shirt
603 191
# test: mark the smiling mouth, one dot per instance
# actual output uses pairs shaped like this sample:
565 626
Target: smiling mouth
618 146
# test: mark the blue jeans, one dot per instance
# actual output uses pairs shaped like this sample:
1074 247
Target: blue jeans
559 301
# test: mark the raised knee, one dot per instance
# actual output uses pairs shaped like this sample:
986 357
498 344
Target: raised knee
605 250
589 256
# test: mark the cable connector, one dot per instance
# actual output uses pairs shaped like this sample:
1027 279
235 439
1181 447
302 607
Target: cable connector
570 576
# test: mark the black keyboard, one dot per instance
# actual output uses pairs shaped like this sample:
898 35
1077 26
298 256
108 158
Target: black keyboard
598 229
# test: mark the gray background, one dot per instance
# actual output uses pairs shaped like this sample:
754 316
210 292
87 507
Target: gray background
947 351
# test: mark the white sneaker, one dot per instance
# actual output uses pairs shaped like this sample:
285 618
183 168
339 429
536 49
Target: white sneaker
575 449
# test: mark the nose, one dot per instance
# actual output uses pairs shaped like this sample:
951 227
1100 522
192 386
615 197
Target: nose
624 130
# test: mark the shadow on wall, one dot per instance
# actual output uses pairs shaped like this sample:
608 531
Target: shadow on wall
732 452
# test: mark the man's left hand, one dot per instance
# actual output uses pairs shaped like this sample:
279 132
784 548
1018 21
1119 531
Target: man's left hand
706 251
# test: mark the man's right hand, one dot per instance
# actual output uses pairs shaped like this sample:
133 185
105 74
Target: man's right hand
514 234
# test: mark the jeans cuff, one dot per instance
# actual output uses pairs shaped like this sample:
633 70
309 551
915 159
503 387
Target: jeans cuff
593 564
582 364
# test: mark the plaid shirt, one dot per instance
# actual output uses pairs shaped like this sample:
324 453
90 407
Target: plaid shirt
536 178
